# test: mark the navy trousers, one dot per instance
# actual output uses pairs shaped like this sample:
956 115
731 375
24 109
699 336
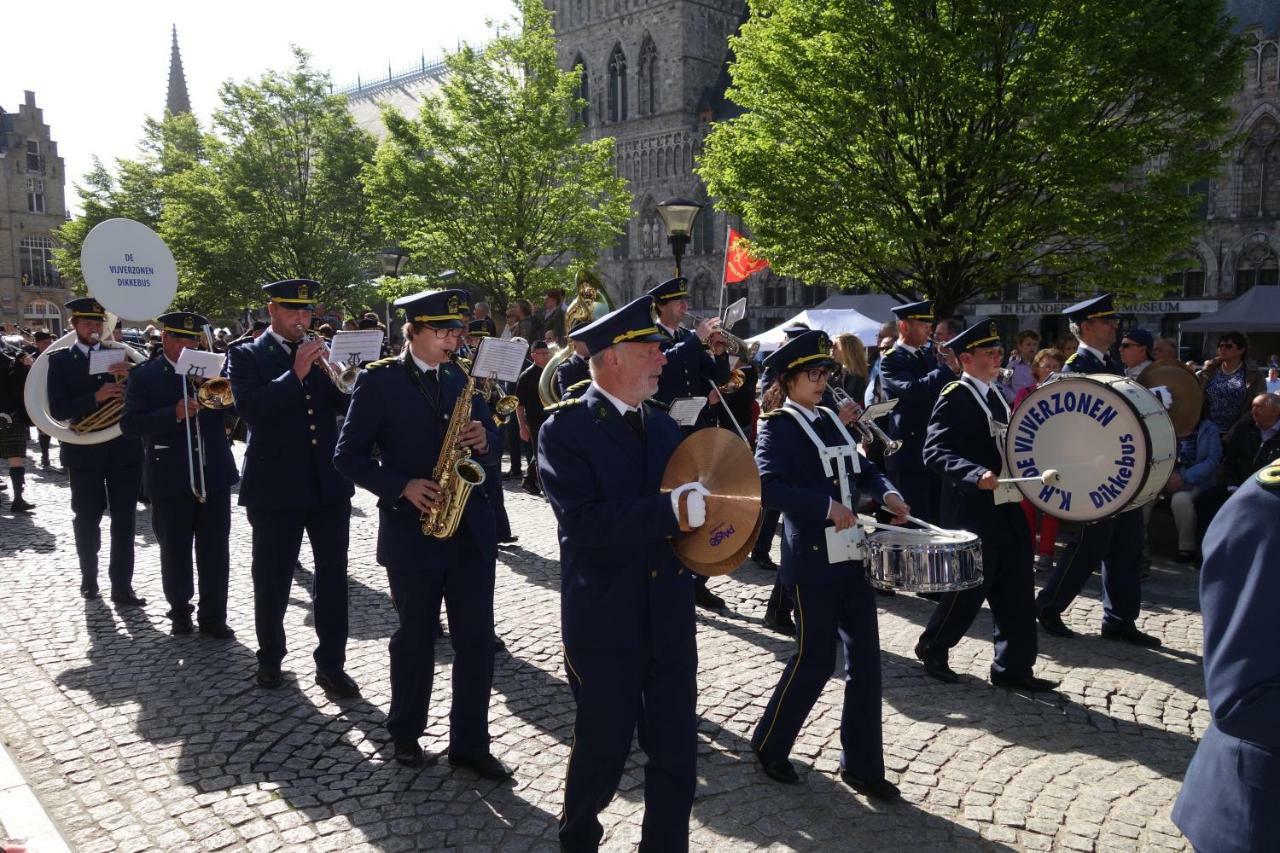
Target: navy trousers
465 580
1008 586
768 529
654 691
93 490
1115 544
844 608
493 490
277 539
176 521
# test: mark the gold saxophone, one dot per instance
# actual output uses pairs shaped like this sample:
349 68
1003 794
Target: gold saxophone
455 472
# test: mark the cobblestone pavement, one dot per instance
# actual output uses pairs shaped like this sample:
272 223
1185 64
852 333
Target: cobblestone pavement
136 740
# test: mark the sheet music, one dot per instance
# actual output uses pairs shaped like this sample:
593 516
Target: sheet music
685 411
499 359
102 358
200 363
734 313
355 347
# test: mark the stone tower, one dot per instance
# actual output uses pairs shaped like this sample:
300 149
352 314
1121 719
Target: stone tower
176 101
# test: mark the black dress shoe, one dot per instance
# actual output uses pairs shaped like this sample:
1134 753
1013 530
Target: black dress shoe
512 475
508 540
707 599
1130 634
89 591
1025 682
764 561
182 628
780 623
218 632
1052 624
779 770
269 677
498 643
337 684
409 753
127 599
876 789
531 489
887 593
19 505
934 666
484 765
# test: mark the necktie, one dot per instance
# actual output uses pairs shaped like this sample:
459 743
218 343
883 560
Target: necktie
292 348
636 423
996 405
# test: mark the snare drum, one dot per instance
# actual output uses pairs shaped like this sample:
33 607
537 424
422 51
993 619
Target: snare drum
1109 438
924 562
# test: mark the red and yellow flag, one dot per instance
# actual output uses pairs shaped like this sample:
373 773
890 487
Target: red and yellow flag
738 262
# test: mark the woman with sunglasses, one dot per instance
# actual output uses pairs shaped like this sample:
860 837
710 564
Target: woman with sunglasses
1231 381
811 471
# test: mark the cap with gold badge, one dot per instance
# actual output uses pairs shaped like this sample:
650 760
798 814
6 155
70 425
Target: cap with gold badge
184 324
1099 307
672 288
805 350
297 293
922 310
635 322
977 336
440 309
86 307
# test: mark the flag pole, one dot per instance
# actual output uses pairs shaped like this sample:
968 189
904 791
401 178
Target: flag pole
724 269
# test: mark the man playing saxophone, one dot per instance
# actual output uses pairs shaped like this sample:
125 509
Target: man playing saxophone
405 419
102 475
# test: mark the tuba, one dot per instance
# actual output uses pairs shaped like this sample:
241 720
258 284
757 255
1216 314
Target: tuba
455 471
591 302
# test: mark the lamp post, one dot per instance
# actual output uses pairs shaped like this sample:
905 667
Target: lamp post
393 260
678 215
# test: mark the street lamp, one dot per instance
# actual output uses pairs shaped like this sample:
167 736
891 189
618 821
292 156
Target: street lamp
678 215
393 259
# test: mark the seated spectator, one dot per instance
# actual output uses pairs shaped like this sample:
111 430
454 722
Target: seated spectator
1231 381
1199 455
1273 380
1252 444
1044 530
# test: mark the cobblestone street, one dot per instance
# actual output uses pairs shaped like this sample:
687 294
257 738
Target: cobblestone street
135 740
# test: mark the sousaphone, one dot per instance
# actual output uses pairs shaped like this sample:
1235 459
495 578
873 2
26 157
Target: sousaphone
131 272
591 302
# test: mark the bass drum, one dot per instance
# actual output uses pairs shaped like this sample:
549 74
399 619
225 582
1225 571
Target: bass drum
1109 438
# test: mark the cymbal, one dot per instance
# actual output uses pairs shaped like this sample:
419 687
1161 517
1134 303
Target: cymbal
722 462
1188 396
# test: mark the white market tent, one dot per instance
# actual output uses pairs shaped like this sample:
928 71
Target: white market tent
832 321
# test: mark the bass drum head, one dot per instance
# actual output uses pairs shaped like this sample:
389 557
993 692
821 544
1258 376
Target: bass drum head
1097 433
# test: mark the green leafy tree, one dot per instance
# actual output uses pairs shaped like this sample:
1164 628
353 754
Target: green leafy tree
952 147
491 179
169 147
278 196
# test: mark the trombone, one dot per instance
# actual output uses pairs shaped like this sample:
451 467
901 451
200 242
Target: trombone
214 394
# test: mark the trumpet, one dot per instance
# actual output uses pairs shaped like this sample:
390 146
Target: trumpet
503 406
733 344
867 427
343 378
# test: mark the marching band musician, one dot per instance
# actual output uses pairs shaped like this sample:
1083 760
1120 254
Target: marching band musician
1115 543
390 443
15 363
155 411
817 489
690 371
573 369
964 445
627 612
43 340
477 331
914 375
101 475
289 484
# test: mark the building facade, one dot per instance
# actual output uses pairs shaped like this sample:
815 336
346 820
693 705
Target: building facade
32 206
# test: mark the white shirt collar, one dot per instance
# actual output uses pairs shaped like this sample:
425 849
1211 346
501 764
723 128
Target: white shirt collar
1099 354
86 349
670 331
622 407
1132 372
811 414
422 365
908 347
1268 433
983 387
280 339
173 364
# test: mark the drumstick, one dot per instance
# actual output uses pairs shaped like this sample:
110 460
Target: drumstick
935 528
1049 478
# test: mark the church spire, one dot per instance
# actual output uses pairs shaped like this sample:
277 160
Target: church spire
176 101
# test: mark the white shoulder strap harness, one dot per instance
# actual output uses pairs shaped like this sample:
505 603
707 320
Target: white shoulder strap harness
831 456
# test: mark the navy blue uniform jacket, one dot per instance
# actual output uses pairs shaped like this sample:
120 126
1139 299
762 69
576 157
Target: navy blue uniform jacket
390 412
1230 801
794 480
71 389
293 428
689 371
621 584
570 372
915 381
1083 361
959 446
151 396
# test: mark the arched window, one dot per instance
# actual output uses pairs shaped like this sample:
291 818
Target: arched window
583 116
617 84
43 314
648 77
704 230
1258 266
1260 170
704 296
1186 282
36 261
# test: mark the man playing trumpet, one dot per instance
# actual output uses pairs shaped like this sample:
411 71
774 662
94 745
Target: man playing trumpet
157 410
290 486
101 475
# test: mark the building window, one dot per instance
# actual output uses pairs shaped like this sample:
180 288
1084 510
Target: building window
1187 283
1258 266
704 231
583 115
36 261
1260 170
622 246
775 294
33 156
734 292
648 77
813 295
35 195
617 84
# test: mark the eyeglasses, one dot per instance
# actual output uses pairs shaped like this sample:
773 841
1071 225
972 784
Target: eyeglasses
817 374
442 334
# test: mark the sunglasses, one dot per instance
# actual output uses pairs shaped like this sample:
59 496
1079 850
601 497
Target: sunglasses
1226 345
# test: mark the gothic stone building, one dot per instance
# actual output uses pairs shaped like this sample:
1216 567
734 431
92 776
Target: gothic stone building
32 205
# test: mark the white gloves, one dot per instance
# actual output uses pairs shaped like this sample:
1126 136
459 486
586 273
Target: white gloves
696 504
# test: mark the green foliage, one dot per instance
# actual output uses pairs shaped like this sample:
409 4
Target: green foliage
490 178
956 146
278 196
